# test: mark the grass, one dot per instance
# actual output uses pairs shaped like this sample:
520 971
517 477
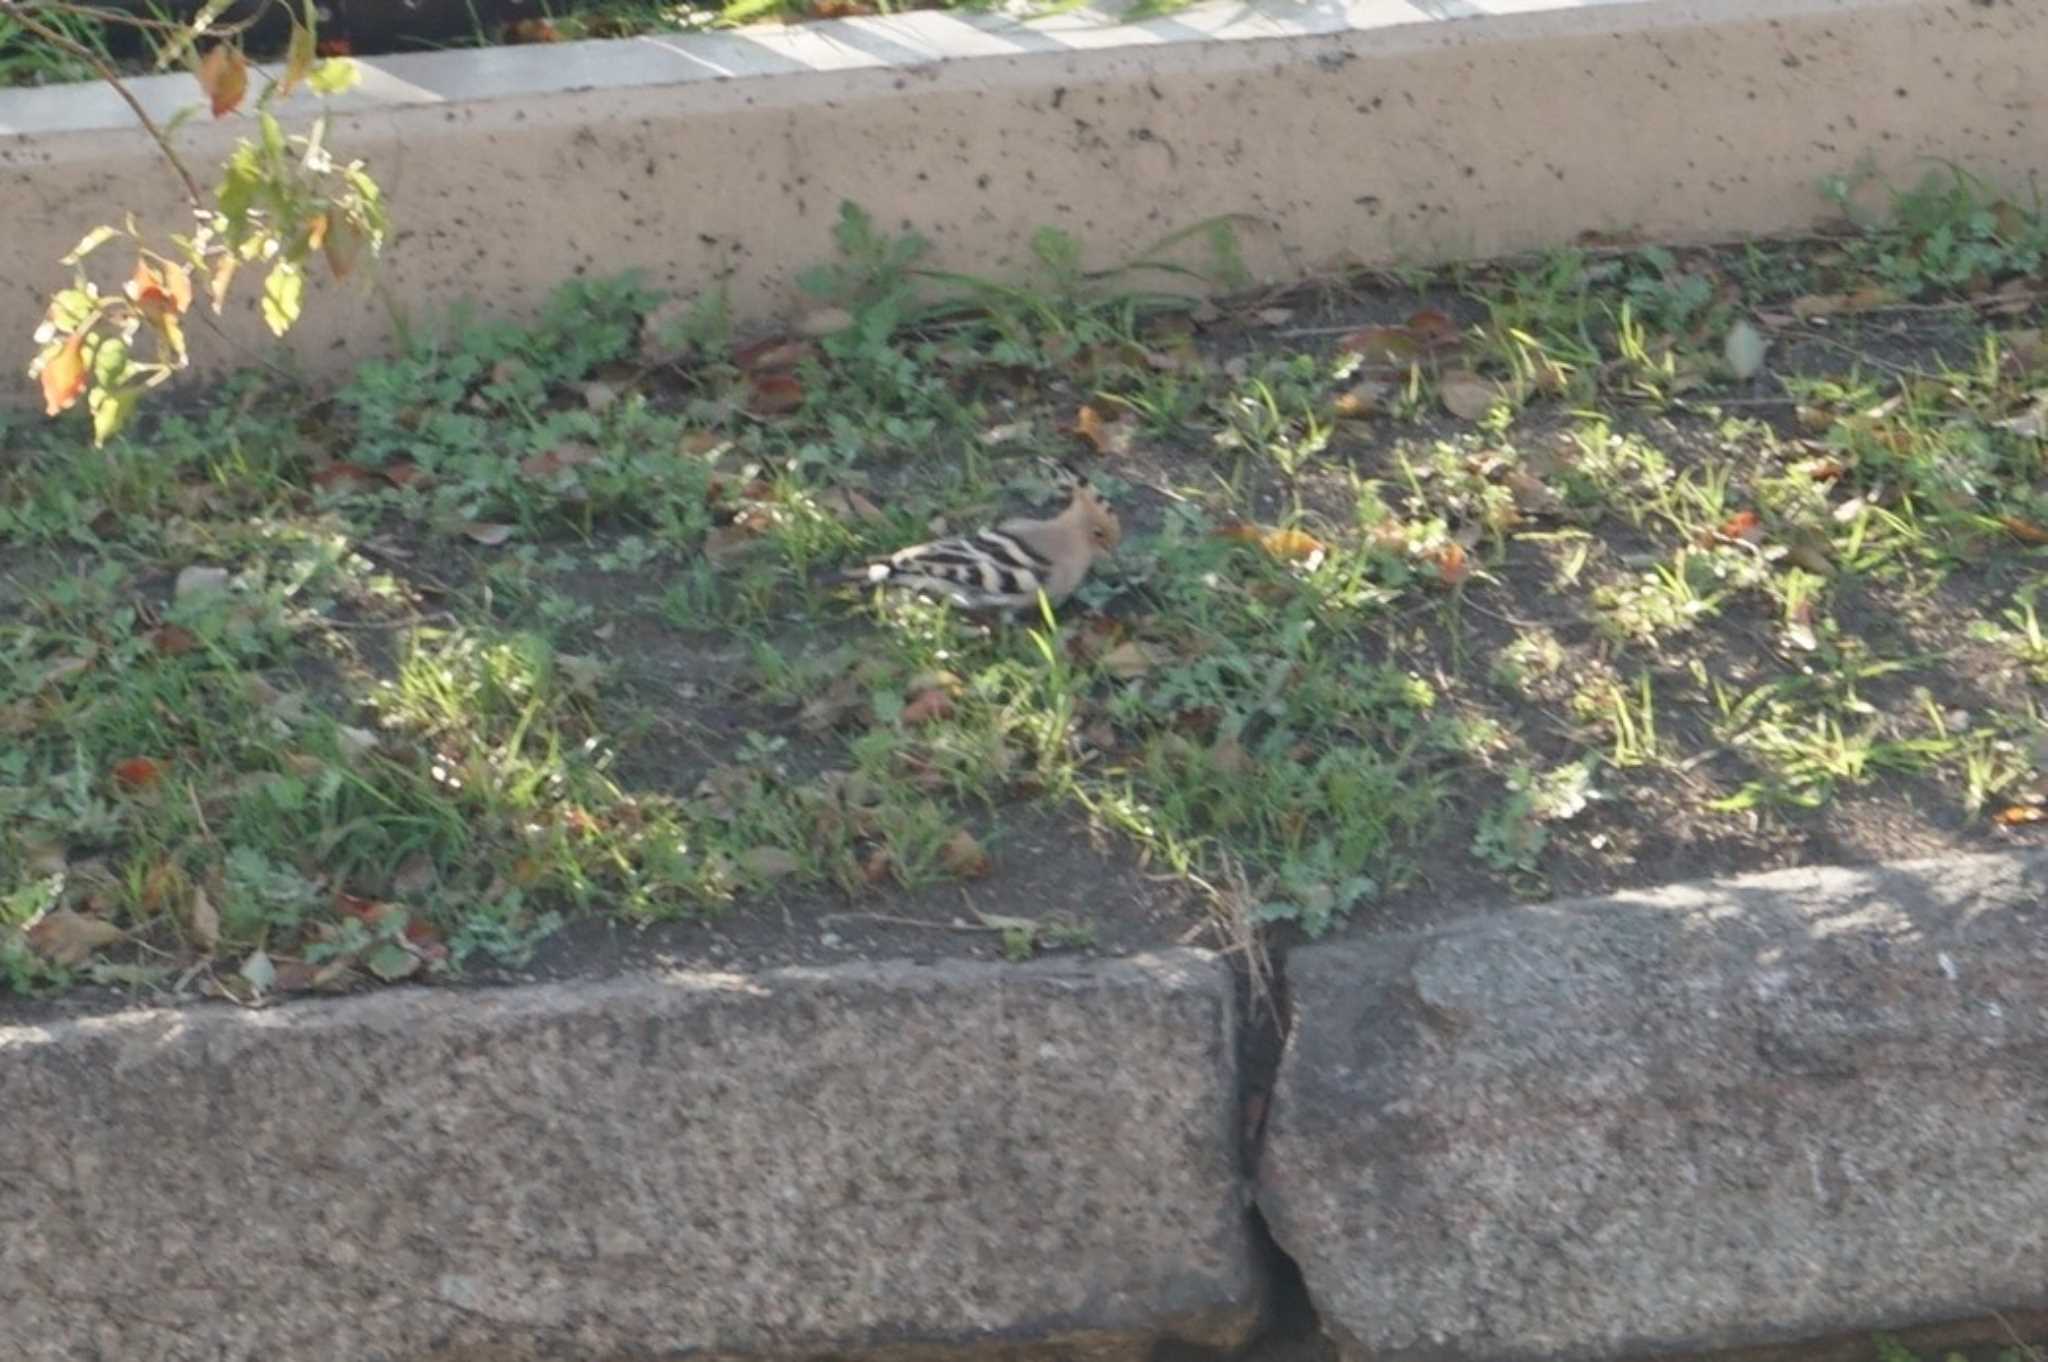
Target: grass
1501 584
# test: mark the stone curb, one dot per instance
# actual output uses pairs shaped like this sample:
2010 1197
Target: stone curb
1768 1109
1358 130
867 1161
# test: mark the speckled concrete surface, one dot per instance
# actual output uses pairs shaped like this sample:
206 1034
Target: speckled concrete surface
869 1161
1371 130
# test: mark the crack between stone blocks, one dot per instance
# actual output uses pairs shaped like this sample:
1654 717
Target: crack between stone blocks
1292 1327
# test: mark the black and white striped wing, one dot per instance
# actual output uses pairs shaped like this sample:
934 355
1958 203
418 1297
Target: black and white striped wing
975 571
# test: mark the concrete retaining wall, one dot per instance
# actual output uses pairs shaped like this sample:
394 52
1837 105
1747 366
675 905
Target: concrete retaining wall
1353 130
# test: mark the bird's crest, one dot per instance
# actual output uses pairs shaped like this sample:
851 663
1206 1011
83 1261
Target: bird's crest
1105 530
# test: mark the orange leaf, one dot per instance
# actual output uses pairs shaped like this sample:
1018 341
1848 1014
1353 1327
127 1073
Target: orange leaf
137 773
775 395
1453 564
1109 436
1744 526
2026 531
928 706
64 375
316 232
157 294
2019 813
1433 328
1288 545
335 47
224 76
534 30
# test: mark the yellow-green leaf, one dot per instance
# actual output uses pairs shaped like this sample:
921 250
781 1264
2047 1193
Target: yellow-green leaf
334 76
283 289
111 408
70 307
92 241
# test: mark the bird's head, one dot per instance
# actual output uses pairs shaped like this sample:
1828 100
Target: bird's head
1105 530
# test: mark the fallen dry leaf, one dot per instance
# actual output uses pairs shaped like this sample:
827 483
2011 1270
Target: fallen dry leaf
342 473
1433 327
927 707
1361 400
2015 814
173 640
1468 396
2026 531
569 454
1229 757
963 856
1111 436
487 533
137 773
724 542
1453 564
202 919
1745 527
66 938
1287 544
773 354
1532 494
847 504
774 394
532 30
1129 660
414 877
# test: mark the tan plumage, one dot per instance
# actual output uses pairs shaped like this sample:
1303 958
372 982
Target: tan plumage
1005 568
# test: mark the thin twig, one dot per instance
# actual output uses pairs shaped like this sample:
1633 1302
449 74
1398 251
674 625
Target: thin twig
106 72
891 919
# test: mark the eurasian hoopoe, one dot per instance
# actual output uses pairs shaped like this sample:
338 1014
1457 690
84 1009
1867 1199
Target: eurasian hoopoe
1006 567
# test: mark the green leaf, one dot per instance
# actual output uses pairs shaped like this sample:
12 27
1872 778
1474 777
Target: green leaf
391 962
336 75
109 361
273 137
283 289
240 184
90 242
